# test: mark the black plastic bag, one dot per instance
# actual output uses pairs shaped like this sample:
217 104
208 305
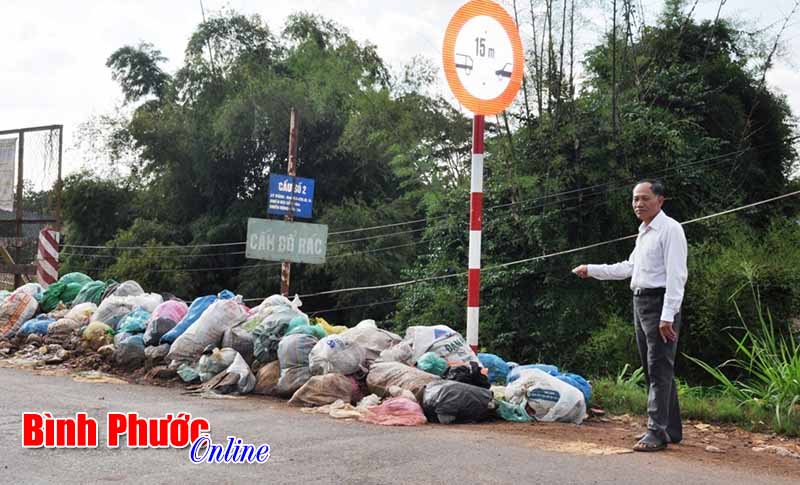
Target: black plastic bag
452 401
470 374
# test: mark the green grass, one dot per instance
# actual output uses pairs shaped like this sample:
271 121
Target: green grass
769 366
710 405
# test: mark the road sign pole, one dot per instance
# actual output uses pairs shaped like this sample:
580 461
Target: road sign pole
475 224
286 267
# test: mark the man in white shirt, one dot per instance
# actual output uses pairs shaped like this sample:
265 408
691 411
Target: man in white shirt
657 269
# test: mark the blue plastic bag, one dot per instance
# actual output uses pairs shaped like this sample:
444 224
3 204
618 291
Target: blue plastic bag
516 371
196 309
498 369
134 322
38 325
578 382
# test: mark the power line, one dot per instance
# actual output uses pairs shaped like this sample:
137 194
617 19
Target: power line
539 258
722 157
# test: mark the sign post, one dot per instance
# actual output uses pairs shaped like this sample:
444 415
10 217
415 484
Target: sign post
286 267
483 63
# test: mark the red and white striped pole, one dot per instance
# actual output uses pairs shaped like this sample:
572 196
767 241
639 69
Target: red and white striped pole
475 223
47 257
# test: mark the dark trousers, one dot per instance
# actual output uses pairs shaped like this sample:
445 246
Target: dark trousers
658 362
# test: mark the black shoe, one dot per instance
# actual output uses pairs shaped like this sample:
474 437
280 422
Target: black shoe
671 439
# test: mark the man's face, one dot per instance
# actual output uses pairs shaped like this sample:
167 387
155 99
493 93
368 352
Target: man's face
645 203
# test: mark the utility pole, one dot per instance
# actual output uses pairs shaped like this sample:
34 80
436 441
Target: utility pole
286 267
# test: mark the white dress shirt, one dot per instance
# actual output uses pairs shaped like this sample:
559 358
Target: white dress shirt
658 261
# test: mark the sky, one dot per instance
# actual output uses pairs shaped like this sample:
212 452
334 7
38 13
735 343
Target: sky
53 52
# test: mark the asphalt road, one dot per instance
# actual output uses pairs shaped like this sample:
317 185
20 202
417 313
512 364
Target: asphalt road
305 448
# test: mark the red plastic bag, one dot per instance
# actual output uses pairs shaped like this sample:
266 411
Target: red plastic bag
396 411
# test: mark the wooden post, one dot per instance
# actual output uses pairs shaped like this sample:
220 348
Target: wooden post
286 267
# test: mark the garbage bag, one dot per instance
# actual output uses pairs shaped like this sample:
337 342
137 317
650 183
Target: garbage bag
298 321
273 312
17 309
292 379
82 312
516 413
372 339
267 379
128 288
401 352
468 374
129 354
63 326
175 310
98 334
52 296
91 292
3 295
213 363
207 330
240 340
329 329
134 322
549 398
266 339
188 373
441 340
577 382
75 278
195 311
313 330
114 308
498 369
322 390
38 325
156 329
155 355
336 354
396 411
451 401
33 289
119 337
383 375
432 363
514 373
294 350
246 381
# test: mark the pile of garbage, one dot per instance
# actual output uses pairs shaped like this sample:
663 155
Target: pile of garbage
218 345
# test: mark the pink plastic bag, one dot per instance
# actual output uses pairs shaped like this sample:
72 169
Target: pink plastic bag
396 411
175 310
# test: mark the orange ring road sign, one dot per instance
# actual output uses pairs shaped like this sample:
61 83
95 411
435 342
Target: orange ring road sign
482 55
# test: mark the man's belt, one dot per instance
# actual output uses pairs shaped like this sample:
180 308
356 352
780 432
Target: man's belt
649 291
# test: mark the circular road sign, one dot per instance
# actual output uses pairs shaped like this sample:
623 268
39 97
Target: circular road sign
482 55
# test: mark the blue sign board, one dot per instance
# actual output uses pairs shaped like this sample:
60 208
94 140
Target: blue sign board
288 194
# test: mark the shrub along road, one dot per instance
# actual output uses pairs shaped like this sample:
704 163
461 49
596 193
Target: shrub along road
317 449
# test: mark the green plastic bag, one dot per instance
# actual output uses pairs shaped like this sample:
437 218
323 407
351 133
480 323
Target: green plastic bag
313 330
71 291
51 296
134 322
90 293
298 321
432 364
76 277
512 412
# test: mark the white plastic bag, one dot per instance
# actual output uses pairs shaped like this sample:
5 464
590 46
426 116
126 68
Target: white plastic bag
442 341
371 339
335 354
548 397
207 330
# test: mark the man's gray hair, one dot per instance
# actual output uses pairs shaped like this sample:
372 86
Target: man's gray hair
656 186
